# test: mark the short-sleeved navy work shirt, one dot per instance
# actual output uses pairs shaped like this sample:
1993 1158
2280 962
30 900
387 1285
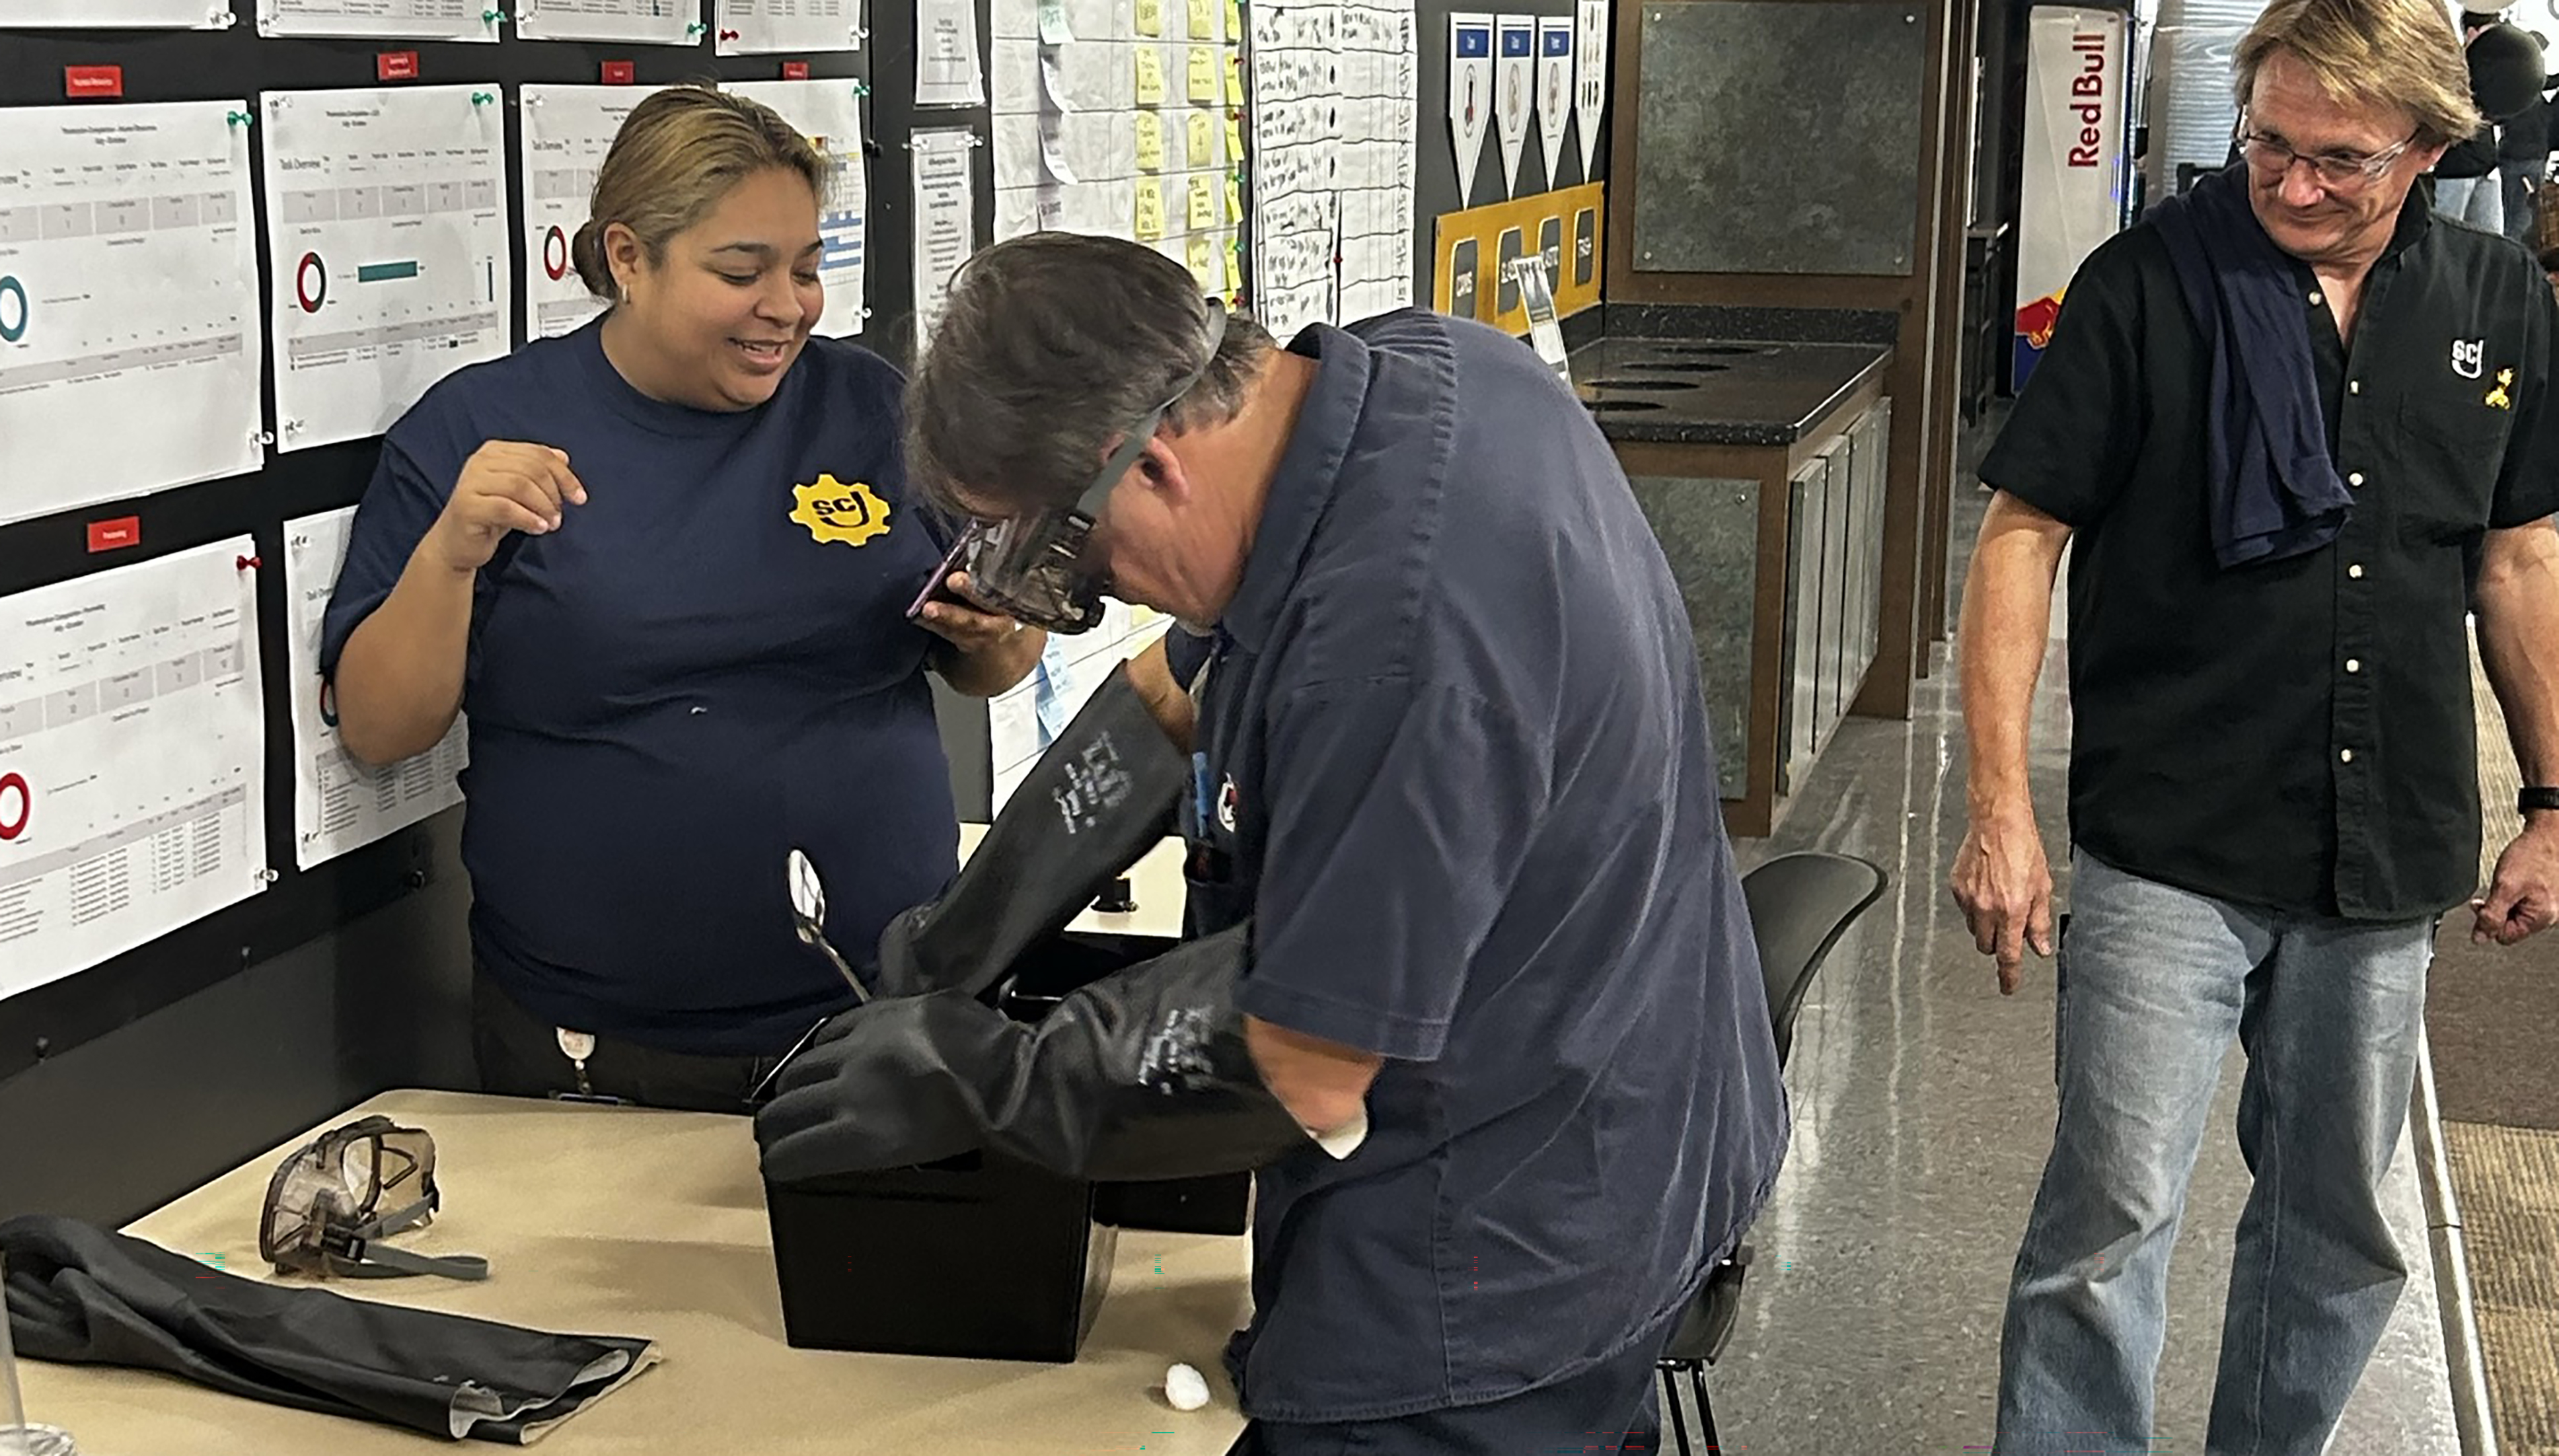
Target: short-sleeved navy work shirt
708 664
1456 770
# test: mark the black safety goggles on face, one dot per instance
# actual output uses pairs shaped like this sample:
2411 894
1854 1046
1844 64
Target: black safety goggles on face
1035 567
335 1199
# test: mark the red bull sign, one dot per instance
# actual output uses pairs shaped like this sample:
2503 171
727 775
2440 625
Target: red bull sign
2073 193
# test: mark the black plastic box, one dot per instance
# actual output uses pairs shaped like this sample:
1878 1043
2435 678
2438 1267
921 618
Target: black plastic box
978 1256
1218 1203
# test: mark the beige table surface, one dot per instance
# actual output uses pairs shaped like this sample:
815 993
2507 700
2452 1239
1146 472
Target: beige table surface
619 1220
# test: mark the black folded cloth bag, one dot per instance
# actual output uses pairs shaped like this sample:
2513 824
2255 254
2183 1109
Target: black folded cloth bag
82 1295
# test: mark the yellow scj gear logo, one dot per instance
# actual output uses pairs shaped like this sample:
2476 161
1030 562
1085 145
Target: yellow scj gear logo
836 511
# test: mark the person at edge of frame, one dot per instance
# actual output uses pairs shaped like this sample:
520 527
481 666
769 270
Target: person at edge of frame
663 565
1450 780
2296 429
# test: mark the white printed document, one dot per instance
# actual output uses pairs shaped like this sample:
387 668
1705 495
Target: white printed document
132 759
830 115
638 22
565 130
762 27
339 803
386 232
131 346
381 20
194 15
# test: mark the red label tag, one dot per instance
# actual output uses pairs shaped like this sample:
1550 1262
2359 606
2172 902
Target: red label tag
80 82
794 71
113 535
395 65
618 72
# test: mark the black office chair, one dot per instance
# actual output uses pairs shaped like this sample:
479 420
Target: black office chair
1800 906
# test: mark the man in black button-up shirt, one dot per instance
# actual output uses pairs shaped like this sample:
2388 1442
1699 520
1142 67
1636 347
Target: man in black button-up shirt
2273 783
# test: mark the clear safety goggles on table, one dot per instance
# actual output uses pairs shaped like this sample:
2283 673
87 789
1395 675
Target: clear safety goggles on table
335 1199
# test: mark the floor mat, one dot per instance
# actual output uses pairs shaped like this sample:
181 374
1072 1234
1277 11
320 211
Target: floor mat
2507 1180
2489 1009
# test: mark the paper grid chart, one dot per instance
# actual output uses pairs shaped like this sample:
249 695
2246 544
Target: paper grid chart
339 803
201 15
1123 118
764 27
564 134
381 20
830 115
128 306
1021 722
1336 115
641 22
132 759
386 232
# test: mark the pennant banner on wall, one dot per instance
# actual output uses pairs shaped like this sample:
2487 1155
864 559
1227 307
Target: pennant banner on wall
1514 78
1554 89
1470 93
1590 64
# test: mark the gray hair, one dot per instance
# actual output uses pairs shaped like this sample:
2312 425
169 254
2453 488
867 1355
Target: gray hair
1050 348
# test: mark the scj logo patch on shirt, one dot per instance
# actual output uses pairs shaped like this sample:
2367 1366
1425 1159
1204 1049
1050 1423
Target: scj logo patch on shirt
836 511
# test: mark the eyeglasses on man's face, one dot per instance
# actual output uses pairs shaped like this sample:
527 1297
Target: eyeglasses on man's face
2337 171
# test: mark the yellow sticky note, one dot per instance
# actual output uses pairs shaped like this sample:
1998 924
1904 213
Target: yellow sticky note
1150 17
1203 140
1201 75
1150 142
1150 75
1234 138
1203 20
1234 20
1234 80
1234 199
1234 273
1149 222
1203 202
1201 255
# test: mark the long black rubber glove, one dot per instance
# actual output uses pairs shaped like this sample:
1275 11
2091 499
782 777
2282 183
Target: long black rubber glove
1100 796
1141 1075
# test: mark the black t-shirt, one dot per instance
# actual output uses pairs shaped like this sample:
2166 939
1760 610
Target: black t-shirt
2297 733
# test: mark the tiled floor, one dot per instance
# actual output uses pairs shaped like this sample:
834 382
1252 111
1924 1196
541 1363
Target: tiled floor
1923 1111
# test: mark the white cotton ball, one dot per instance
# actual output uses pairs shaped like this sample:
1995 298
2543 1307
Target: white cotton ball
1185 1387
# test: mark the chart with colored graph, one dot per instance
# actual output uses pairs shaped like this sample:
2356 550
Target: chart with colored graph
128 308
387 234
565 132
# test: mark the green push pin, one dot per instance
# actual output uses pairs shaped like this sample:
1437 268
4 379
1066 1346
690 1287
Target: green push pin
240 118
482 99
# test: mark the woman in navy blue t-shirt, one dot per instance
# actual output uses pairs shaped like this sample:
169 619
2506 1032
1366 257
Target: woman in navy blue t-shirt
663 564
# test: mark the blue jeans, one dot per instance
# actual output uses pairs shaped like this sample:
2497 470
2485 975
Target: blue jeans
2478 201
2152 983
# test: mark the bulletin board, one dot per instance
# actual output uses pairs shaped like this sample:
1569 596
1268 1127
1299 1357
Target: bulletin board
117 527
108 69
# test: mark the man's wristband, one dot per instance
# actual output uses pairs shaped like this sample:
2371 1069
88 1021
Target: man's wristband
2536 797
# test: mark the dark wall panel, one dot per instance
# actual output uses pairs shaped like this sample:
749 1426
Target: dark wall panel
140 1076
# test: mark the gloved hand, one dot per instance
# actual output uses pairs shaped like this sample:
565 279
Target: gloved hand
1100 797
1141 1075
